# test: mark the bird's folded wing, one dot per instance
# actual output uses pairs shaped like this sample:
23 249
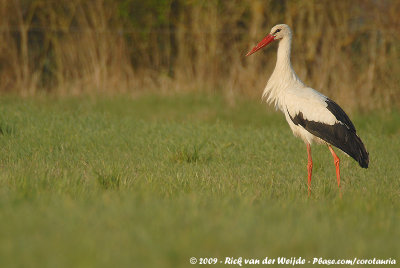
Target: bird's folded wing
325 119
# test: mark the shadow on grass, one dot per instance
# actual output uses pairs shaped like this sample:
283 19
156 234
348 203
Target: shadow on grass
6 129
108 181
191 154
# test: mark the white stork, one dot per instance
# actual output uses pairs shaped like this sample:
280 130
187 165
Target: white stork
312 116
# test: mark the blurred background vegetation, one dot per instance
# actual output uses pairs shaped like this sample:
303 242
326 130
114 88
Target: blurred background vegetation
348 50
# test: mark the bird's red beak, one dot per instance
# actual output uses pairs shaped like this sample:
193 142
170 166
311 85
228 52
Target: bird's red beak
268 39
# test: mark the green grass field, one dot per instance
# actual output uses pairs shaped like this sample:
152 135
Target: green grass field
153 181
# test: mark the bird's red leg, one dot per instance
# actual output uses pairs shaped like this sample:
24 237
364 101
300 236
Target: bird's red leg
336 161
309 167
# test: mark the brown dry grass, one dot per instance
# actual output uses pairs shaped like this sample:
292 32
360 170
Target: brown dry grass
348 50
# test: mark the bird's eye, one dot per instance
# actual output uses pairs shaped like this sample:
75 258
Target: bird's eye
277 31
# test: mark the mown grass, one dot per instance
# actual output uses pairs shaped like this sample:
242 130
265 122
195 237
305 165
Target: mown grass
153 181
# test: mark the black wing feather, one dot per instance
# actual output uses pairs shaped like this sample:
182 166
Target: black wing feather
340 115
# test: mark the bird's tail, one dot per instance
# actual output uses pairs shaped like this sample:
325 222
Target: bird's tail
356 149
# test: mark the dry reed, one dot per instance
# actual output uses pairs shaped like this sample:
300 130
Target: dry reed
349 50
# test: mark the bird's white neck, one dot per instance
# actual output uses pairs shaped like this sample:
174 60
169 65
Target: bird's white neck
284 76
283 64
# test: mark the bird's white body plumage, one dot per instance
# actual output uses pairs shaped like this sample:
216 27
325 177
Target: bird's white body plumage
289 94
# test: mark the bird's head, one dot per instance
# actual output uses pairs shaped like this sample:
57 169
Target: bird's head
277 32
